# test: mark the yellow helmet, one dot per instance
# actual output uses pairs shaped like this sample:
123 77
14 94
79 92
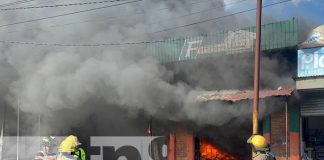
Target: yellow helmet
73 140
69 144
258 141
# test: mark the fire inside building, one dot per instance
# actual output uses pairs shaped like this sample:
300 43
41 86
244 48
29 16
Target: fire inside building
293 128
281 127
291 108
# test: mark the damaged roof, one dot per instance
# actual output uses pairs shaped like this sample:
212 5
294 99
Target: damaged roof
237 95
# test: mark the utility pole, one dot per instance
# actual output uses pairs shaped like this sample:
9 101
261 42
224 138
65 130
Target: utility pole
255 117
18 130
151 134
39 130
255 110
2 132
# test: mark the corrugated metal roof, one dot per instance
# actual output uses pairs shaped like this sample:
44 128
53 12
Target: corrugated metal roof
276 35
236 95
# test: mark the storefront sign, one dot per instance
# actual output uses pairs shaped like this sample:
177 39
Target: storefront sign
311 62
190 48
235 42
102 147
130 148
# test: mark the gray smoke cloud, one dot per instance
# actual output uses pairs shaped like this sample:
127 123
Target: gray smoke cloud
69 86
47 79
115 90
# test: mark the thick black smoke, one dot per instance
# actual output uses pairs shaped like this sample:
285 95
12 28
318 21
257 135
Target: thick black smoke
114 90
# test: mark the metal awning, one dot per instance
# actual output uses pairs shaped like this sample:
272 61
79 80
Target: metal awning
237 95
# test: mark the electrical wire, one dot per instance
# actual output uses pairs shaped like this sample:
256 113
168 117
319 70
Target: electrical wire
216 18
66 14
60 5
81 45
129 43
69 4
198 12
15 3
115 17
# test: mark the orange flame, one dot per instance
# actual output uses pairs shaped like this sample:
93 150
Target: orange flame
209 151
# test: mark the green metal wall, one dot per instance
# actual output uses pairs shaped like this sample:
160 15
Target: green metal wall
274 35
266 124
294 115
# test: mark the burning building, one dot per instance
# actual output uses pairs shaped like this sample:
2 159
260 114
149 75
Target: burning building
200 105
292 129
220 58
183 145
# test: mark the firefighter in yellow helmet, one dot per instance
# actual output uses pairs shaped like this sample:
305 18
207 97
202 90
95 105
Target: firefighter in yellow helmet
260 148
68 147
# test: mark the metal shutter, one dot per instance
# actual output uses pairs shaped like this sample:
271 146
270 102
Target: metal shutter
312 107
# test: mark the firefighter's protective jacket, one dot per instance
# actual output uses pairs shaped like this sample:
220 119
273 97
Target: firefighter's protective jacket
80 153
264 156
66 156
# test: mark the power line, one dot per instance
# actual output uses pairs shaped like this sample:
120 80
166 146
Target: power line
47 2
60 5
66 14
82 45
201 11
120 16
41 3
15 3
128 43
213 19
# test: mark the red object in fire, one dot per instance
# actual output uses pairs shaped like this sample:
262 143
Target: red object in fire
208 151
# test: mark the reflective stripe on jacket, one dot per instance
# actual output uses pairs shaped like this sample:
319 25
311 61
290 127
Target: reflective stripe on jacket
80 153
264 156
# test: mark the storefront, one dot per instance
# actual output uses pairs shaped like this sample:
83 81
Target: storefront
310 86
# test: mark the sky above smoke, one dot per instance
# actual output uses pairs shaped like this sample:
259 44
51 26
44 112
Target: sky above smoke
49 79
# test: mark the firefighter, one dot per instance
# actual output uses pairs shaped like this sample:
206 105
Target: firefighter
260 148
68 148
80 153
48 149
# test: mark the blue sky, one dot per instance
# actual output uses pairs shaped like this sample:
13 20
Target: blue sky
307 9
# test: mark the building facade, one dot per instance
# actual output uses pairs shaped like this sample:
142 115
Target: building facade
295 130
310 86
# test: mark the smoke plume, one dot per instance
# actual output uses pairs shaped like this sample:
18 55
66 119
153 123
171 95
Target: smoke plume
70 86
